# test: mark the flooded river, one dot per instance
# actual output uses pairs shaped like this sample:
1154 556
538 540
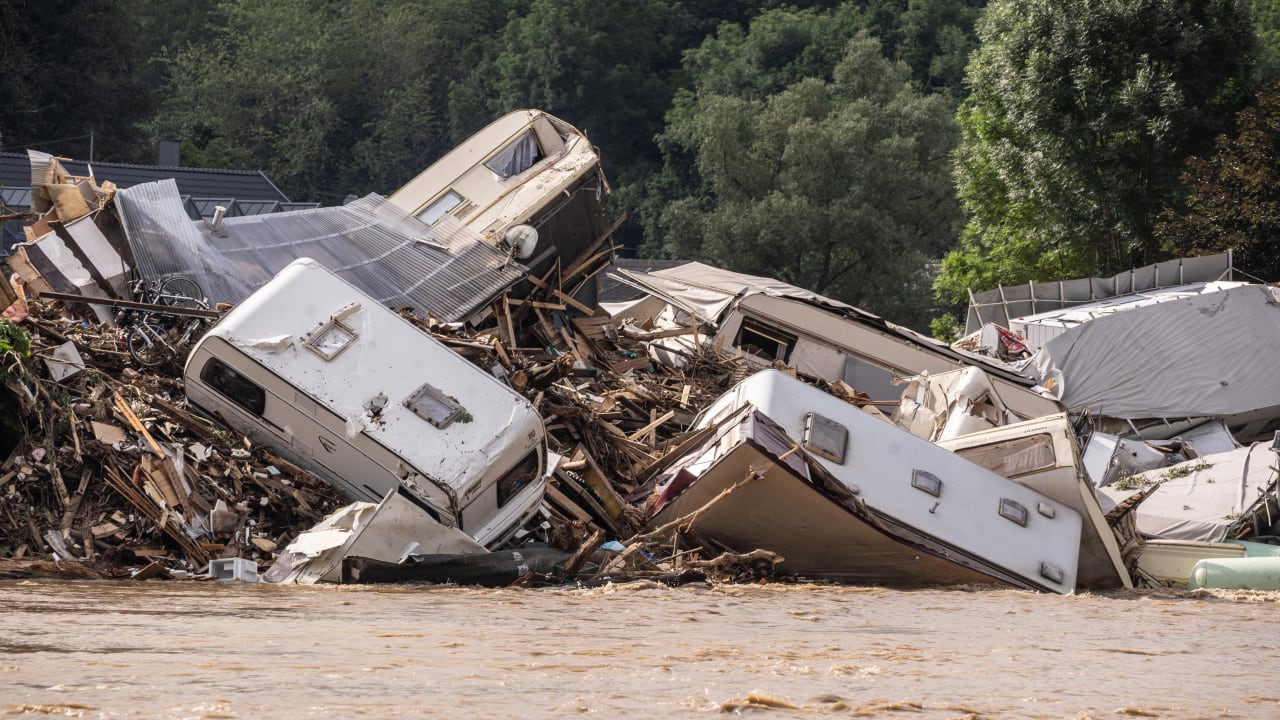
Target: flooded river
206 650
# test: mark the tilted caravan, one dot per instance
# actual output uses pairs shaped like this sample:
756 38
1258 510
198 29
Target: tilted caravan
973 516
768 321
1043 455
525 168
348 390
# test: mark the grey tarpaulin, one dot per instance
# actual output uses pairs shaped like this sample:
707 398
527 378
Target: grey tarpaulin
1202 504
1204 355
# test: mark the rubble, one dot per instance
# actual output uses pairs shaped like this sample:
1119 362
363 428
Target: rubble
652 461
112 472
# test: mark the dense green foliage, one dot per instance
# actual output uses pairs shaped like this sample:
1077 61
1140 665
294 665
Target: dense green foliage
15 348
1080 117
1235 199
837 186
809 140
70 69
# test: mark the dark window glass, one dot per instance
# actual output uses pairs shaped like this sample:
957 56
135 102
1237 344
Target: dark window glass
235 387
518 478
763 341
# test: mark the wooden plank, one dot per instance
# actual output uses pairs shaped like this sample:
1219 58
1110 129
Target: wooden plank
577 305
135 422
579 265
635 436
582 496
601 486
563 502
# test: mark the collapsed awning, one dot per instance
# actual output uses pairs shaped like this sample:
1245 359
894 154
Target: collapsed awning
1200 499
445 270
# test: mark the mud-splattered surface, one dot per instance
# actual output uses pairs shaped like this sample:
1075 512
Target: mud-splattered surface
203 650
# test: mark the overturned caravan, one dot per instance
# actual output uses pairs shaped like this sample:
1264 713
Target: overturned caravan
845 496
356 395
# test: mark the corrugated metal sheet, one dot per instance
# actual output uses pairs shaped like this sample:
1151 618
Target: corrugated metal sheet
445 270
1007 302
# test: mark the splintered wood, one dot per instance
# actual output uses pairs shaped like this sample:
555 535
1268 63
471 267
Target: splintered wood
112 468
120 471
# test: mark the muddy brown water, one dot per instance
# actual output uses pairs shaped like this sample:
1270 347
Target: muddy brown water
229 650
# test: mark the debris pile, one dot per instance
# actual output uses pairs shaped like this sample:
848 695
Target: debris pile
112 470
714 425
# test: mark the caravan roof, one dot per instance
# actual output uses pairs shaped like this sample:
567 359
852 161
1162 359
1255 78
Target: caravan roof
710 293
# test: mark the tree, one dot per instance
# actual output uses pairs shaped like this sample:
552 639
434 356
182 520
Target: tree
934 37
607 71
328 98
839 186
1080 117
1266 19
1235 195
72 69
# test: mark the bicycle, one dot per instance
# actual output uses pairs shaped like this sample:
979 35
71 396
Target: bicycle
154 337
177 291
152 341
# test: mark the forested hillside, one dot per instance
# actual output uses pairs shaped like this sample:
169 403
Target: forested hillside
888 153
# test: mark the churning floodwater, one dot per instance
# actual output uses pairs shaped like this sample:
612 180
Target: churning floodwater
227 650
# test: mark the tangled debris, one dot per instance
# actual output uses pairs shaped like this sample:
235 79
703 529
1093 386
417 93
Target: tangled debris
112 472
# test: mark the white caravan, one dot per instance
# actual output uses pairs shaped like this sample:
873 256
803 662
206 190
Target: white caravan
342 386
1032 539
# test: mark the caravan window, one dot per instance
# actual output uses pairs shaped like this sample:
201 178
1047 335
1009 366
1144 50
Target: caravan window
865 376
235 387
759 339
442 205
518 478
517 157
1011 458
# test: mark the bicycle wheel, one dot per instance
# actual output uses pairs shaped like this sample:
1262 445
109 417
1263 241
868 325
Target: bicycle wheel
181 291
145 344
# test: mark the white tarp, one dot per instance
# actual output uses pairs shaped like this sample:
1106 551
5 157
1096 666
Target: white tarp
1203 355
1204 502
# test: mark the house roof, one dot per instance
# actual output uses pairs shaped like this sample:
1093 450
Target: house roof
241 192
15 172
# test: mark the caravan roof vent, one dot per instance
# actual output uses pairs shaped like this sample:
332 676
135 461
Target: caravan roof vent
330 339
432 405
332 336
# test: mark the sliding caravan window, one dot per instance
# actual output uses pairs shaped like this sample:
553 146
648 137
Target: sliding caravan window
436 210
867 377
763 341
1011 458
233 386
517 157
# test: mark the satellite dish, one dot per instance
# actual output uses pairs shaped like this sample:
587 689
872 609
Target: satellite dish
522 239
1055 384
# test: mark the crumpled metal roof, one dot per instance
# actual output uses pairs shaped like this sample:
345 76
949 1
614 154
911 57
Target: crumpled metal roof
445 269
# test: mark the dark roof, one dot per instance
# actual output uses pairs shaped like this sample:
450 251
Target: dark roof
241 192
610 290
15 172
